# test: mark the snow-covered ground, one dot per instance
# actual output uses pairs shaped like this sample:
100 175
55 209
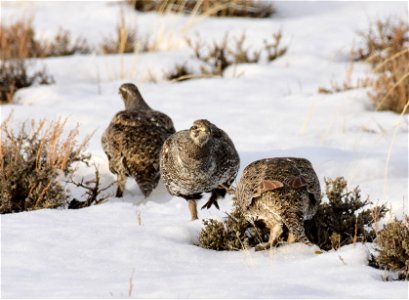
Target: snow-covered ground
145 248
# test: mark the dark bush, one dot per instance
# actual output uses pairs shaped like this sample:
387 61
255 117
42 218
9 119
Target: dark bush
14 75
344 219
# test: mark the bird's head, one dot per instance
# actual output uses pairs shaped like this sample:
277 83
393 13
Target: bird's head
200 132
132 97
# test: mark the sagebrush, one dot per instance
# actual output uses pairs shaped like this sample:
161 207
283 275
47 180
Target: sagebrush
233 233
345 218
392 244
33 161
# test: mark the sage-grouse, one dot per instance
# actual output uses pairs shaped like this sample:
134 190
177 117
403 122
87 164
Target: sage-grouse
133 141
199 160
279 191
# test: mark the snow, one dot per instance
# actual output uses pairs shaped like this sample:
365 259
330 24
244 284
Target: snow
268 109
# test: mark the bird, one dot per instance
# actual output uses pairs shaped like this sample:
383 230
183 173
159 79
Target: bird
198 160
133 140
279 191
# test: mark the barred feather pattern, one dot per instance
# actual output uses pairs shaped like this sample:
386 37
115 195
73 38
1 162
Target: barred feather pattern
294 194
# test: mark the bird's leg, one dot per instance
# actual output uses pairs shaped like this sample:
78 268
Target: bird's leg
120 181
295 224
216 194
275 231
230 190
192 208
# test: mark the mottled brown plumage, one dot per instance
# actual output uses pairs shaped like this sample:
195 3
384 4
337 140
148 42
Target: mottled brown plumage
133 140
199 160
279 191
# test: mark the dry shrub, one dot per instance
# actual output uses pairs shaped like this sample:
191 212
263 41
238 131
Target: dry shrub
14 75
382 40
125 39
393 247
33 161
219 8
385 46
218 56
344 219
347 85
234 233
18 40
93 191
180 73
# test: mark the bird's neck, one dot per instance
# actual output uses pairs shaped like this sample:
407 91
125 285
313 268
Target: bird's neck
136 103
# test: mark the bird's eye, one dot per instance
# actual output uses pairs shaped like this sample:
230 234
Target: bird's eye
194 127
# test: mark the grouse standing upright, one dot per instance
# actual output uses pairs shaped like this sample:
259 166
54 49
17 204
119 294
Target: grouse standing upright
279 191
201 159
133 140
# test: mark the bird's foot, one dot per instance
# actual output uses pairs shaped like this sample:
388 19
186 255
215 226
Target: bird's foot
119 193
263 246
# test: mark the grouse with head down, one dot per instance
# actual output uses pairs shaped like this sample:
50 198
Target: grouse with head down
279 191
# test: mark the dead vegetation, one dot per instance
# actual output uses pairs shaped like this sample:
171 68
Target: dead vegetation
18 40
344 219
347 84
217 56
385 47
218 8
125 39
14 75
32 163
93 191
392 244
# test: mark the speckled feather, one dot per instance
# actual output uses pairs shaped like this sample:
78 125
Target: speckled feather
133 141
189 169
293 197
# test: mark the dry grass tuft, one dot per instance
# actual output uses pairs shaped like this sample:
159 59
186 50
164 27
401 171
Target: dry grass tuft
14 75
125 39
18 41
385 47
393 248
219 8
382 40
32 162
347 85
